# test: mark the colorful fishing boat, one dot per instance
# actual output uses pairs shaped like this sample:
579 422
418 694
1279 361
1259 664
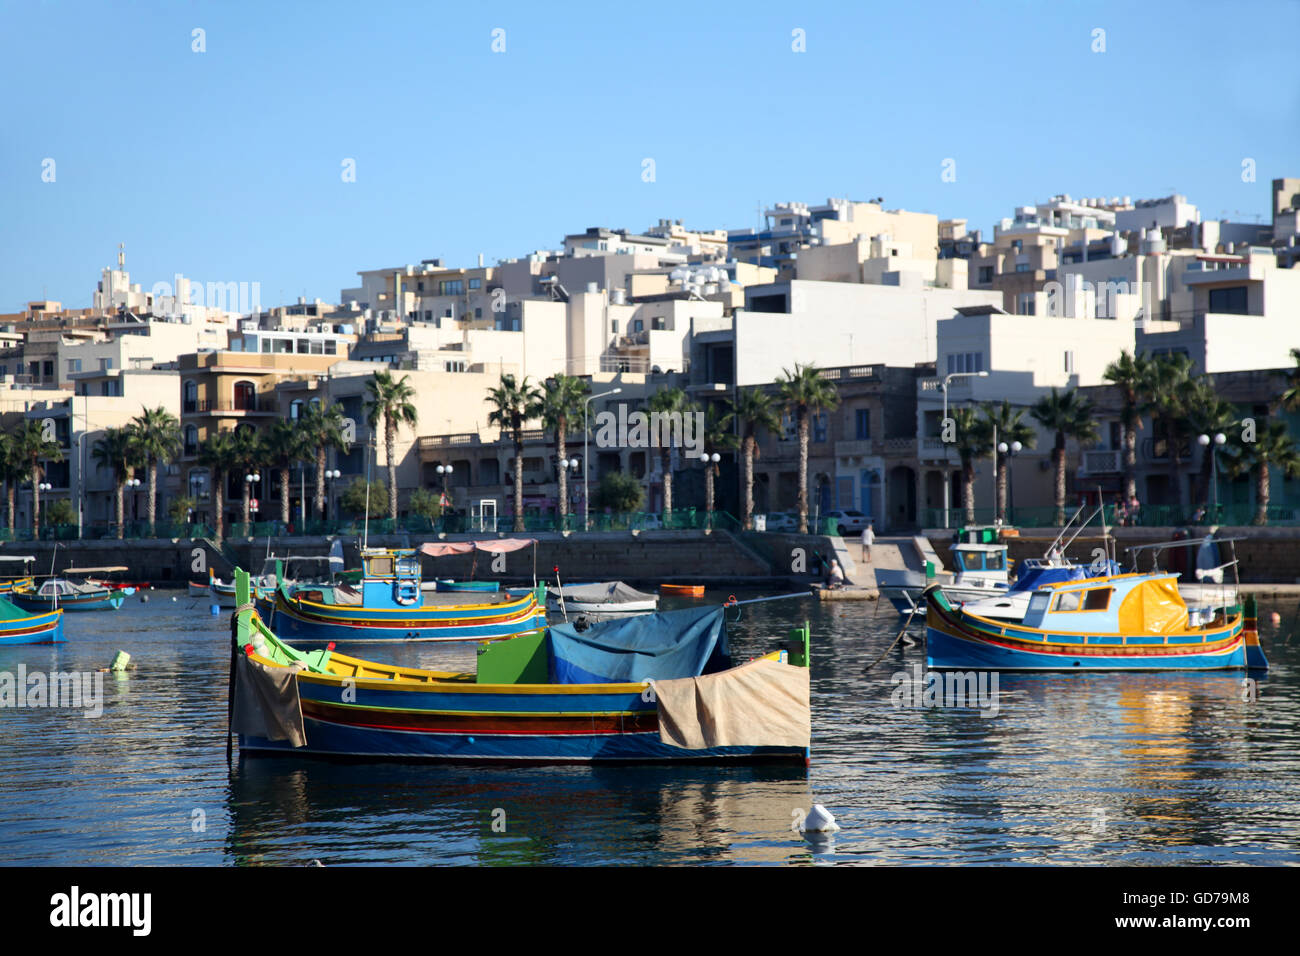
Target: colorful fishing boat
451 586
625 691
68 595
19 627
200 589
1134 621
390 605
15 572
683 590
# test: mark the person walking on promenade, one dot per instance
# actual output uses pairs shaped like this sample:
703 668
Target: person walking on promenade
868 539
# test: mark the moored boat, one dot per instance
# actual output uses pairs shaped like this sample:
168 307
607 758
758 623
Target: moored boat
15 572
683 590
604 597
625 691
1134 621
68 595
17 626
390 605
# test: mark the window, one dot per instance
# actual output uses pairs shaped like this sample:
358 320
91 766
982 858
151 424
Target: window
476 283
452 286
1231 300
191 398
478 312
819 427
614 326
105 364
1022 266
191 441
966 362
1069 601
295 409
985 275
446 313
428 315
1069 363
245 397
862 420
1025 304
74 365
49 369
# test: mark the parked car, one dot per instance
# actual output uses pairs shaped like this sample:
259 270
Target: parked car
782 521
851 522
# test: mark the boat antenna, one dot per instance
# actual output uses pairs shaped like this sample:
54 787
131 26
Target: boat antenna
1057 541
1105 528
563 607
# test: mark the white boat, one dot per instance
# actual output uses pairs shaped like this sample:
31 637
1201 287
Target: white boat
605 597
982 572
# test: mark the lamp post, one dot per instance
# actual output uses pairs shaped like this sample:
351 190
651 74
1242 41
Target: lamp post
565 464
1014 449
710 465
331 475
947 478
586 459
252 479
1204 442
133 483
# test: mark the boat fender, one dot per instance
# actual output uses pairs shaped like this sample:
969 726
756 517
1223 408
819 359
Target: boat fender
819 820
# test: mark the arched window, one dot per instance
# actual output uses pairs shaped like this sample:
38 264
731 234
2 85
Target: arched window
191 398
295 409
245 397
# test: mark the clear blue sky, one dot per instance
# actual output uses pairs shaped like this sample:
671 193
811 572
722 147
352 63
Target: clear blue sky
225 165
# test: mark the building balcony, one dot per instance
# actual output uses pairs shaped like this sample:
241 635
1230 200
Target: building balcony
856 448
1102 461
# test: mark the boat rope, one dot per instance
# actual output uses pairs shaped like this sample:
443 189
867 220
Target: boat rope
894 643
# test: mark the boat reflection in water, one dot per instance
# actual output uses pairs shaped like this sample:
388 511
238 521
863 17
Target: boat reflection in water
284 811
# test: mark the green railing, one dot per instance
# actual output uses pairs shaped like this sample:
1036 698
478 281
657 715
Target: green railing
1153 515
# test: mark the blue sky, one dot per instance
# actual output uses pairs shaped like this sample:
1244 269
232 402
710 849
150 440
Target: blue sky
225 165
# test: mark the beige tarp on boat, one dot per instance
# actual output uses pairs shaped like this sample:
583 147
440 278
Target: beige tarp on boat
266 702
760 704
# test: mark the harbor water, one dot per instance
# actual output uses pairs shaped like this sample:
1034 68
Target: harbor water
1138 769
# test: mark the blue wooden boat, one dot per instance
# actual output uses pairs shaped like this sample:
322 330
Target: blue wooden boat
529 700
67 595
1134 621
390 605
19 627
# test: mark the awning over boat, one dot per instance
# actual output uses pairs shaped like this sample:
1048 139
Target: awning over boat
438 549
606 592
96 570
16 557
1153 607
760 704
664 646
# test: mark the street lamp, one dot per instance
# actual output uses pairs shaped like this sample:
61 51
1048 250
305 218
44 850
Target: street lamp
133 483
1204 442
331 475
562 506
947 478
251 479
586 467
1014 448
710 466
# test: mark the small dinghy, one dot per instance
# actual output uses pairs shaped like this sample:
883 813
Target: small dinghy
605 597
683 590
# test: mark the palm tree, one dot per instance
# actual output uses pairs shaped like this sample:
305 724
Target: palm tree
974 440
285 447
158 441
804 392
718 437
1168 388
1010 427
118 451
756 411
217 454
1272 447
562 404
668 401
12 469
390 402
1069 415
32 448
1291 397
322 429
512 405
1129 373
247 453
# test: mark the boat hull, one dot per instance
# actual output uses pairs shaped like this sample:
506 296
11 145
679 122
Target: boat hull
532 724
108 602
35 629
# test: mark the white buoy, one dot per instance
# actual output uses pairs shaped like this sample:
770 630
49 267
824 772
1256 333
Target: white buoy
819 820
173 597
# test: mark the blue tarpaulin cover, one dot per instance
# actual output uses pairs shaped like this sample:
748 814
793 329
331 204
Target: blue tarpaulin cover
1032 578
664 646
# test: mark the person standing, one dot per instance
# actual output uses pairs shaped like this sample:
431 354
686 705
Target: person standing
868 539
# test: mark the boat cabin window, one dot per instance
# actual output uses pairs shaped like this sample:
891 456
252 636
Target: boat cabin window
980 560
380 567
1039 602
1092 599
